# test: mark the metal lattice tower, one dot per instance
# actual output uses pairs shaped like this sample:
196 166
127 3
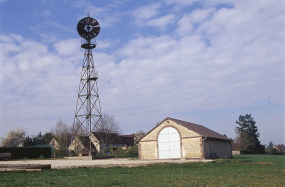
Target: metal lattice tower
88 110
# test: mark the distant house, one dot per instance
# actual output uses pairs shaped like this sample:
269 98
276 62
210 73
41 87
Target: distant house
176 139
54 143
79 144
21 144
236 152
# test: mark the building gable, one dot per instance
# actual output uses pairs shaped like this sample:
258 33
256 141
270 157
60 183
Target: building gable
196 141
54 143
184 132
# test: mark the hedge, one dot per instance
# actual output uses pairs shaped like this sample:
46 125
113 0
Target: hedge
27 152
46 152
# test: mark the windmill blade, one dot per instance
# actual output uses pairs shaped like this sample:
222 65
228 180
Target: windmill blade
88 34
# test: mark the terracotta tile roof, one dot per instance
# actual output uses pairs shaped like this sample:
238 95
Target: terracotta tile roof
203 131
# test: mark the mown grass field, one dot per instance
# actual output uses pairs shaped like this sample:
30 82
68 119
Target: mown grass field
243 170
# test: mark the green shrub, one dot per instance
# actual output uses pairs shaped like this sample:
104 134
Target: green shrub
27 152
33 152
16 152
118 153
46 152
131 152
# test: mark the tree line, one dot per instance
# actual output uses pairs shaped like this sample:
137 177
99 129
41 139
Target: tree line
247 139
63 134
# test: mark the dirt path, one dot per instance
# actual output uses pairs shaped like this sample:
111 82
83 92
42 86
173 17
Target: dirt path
86 162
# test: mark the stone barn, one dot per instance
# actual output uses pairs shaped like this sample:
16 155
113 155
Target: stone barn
176 139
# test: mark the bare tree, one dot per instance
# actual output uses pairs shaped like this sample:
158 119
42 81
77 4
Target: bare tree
139 134
108 124
77 130
14 138
242 142
107 130
62 133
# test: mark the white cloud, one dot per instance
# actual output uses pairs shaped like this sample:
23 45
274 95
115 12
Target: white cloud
191 20
107 16
218 64
103 44
47 37
233 60
180 4
49 31
67 47
163 21
200 15
35 84
147 47
146 12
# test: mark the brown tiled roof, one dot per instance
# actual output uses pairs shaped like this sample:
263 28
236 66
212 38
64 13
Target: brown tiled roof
116 139
203 131
128 140
129 135
85 141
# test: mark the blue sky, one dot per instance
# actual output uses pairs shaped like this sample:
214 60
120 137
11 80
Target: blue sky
205 62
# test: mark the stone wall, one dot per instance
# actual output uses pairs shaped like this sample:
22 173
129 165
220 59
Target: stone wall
214 148
190 142
148 150
191 147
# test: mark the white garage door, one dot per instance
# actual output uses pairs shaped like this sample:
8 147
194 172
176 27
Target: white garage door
168 143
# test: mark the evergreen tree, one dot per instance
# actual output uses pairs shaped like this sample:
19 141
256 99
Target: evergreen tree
248 135
34 140
28 141
47 137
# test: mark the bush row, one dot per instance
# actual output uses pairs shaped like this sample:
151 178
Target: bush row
131 152
27 152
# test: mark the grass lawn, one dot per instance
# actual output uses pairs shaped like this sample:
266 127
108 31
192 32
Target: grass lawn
243 170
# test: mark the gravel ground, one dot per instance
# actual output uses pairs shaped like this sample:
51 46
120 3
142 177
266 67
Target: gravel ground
74 162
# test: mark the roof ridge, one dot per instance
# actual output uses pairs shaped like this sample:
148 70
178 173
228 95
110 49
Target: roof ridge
185 121
200 129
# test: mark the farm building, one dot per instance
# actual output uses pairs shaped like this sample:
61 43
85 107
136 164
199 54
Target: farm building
54 143
176 139
79 144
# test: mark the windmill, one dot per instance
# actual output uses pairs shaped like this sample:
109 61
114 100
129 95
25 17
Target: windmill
88 110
